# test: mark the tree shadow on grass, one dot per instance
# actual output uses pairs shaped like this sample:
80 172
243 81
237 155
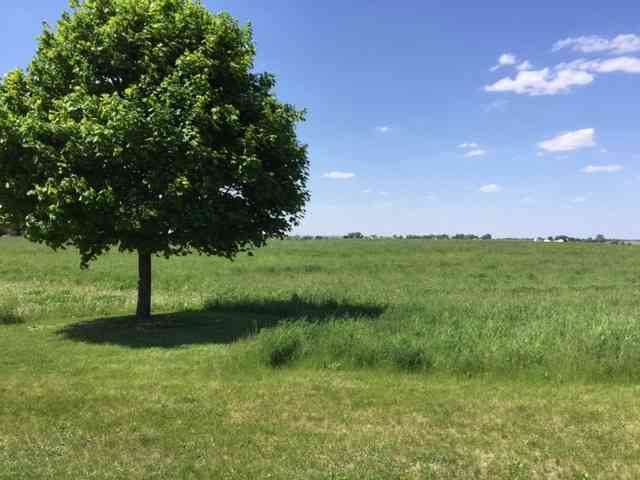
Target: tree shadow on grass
219 323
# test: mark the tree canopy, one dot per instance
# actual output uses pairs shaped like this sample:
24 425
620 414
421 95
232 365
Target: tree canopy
140 124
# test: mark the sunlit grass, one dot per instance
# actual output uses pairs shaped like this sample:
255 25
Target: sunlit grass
324 359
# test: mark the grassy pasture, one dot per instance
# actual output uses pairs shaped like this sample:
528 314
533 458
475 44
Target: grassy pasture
324 359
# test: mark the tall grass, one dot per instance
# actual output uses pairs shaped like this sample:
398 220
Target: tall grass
544 346
331 359
505 308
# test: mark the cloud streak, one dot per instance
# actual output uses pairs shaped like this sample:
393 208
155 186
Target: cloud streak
621 44
542 82
602 168
504 60
339 175
491 188
564 77
611 65
475 153
570 141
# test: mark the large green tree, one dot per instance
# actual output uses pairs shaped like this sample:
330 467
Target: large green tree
140 125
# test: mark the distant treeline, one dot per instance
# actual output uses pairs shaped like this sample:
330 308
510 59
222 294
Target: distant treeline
460 236
13 231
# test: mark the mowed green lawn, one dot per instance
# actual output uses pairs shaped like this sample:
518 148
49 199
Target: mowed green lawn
324 359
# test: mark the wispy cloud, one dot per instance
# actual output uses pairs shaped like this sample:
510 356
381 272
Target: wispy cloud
526 65
491 188
620 44
339 175
475 153
541 82
384 194
569 141
468 145
383 129
505 59
603 168
579 199
610 65
566 76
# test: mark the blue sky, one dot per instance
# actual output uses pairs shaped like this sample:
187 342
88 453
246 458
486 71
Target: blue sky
446 117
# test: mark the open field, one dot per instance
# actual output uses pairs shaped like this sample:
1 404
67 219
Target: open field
393 359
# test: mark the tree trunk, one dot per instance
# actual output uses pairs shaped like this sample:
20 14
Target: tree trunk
143 311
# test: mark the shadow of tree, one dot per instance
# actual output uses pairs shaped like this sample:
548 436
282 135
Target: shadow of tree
219 323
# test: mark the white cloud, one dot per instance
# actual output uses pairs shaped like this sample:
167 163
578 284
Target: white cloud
527 199
579 199
383 129
603 168
384 194
468 145
505 59
620 44
368 190
526 65
611 65
542 82
339 175
565 76
475 153
569 141
620 64
491 188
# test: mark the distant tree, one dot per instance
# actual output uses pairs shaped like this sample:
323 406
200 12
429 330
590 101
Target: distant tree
140 125
354 235
600 238
487 236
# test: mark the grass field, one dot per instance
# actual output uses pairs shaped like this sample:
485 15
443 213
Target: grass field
324 359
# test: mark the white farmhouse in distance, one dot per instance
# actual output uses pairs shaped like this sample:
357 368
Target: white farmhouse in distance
548 240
